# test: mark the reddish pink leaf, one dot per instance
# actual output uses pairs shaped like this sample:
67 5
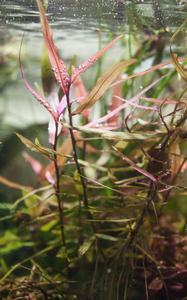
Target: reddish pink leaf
134 166
61 106
184 167
124 105
165 189
81 93
154 108
140 170
58 66
88 63
35 164
164 101
49 178
147 71
115 102
156 285
52 130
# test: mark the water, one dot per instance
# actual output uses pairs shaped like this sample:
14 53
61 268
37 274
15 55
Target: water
77 16
77 24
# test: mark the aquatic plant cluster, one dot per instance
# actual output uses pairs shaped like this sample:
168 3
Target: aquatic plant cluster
106 218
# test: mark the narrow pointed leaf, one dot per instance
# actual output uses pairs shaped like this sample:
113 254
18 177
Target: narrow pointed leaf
58 66
115 102
103 84
52 130
153 108
149 70
116 135
88 63
80 89
81 93
14 185
86 245
36 147
179 68
123 106
62 106
49 178
107 237
134 166
34 163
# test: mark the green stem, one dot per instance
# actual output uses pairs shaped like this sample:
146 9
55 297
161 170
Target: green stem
57 187
75 156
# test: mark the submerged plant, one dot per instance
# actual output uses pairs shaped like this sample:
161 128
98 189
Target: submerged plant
57 107
106 181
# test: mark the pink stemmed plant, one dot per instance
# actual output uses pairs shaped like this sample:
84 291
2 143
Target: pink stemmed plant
57 108
63 78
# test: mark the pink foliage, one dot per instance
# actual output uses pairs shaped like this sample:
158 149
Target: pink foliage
81 93
88 63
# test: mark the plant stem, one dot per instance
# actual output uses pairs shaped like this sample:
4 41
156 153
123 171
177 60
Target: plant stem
75 156
57 187
151 195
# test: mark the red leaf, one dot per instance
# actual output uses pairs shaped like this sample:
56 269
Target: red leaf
156 285
58 66
119 108
140 170
81 94
134 166
147 71
34 163
115 102
88 63
154 108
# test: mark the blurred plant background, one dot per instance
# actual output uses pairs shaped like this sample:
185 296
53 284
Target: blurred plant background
133 243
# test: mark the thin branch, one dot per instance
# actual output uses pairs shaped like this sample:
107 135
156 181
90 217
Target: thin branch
82 178
151 196
57 186
75 156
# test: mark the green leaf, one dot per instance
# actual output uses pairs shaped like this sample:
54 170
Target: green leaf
5 206
37 147
10 242
19 264
62 253
113 220
179 68
103 84
77 181
67 185
107 237
48 78
86 246
49 226
116 135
